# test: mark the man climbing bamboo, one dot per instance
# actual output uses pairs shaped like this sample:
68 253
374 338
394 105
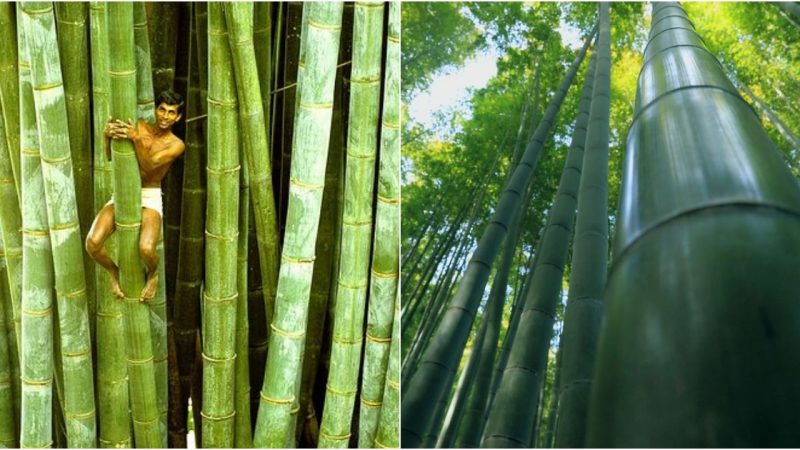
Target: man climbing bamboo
156 149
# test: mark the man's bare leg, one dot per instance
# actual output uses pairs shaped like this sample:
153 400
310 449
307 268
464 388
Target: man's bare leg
101 229
151 229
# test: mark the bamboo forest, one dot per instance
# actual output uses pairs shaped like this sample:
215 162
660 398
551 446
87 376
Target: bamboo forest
263 310
601 237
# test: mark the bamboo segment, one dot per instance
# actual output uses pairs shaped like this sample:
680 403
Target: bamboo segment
127 184
112 386
71 292
240 23
701 287
428 385
36 364
8 416
262 46
275 425
357 226
388 435
386 244
9 90
219 298
243 436
145 101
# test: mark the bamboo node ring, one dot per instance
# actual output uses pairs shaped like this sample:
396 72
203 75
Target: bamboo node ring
338 392
380 340
347 341
30 382
385 274
64 226
224 171
34 233
293 260
217 360
140 361
370 403
391 126
351 154
37 312
52 161
309 186
77 354
122 73
130 225
80 416
369 80
221 237
32 151
357 223
323 26
73 294
393 384
351 286
316 105
221 103
276 401
334 437
226 299
387 200
393 39
218 418
285 333
144 422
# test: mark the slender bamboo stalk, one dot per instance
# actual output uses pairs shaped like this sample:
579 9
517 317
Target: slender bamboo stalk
36 365
386 246
239 18
145 99
242 433
388 435
127 189
362 146
71 292
112 375
262 46
163 37
8 416
9 90
275 425
219 297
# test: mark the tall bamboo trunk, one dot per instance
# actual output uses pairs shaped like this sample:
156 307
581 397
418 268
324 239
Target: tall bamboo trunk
388 434
220 294
9 91
275 425
527 359
127 205
8 415
426 387
242 433
71 292
112 389
721 305
36 355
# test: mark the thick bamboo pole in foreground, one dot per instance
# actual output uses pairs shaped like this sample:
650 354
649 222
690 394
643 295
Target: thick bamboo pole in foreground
276 425
388 434
127 192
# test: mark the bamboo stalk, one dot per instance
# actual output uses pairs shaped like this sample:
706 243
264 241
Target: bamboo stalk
386 244
9 91
163 37
388 435
243 436
71 292
36 364
8 416
112 387
275 425
219 307
127 188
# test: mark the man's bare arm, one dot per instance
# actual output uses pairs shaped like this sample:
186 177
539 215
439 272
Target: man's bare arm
168 154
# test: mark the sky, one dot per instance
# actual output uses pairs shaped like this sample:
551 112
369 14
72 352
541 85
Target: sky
451 90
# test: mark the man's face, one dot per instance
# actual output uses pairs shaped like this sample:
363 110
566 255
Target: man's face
167 115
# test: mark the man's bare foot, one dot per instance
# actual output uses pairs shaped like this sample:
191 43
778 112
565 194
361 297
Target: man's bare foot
115 286
150 286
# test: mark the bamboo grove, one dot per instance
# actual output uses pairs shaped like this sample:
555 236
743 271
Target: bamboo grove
601 252
275 318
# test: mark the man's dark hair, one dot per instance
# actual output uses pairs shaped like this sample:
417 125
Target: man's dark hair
170 97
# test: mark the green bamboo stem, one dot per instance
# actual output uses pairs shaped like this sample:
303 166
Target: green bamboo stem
8 411
71 292
112 387
145 99
262 45
239 18
36 364
219 298
257 321
163 37
9 90
73 46
127 189
357 226
243 436
388 435
275 424
386 245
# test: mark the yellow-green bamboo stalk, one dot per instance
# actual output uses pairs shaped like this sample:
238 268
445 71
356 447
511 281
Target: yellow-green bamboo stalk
219 297
8 416
240 23
275 425
362 143
114 420
388 435
243 436
127 191
36 364
386 244
145 99
9 90
62 215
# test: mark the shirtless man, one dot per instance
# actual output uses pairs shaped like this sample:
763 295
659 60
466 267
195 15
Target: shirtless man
156 149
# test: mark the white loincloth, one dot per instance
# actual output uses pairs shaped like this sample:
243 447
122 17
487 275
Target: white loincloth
151 199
